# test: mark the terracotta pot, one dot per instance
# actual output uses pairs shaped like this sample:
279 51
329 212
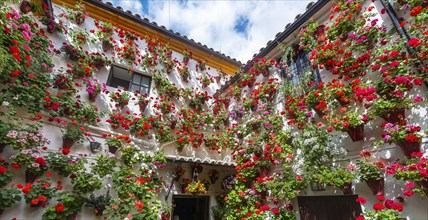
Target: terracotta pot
99 212
226 122
255 127
71 217
263 195
2 146
30 177
424 184
265 72
165 216
186 60
80 20
106 46
99 64
73 57
112 149
319 112
173 124
93 97
201 67
264 171
180 148
67 142
376 186
347 189
254 107
143 106
393 117
342 102
25 6
356 133
217 79
409 147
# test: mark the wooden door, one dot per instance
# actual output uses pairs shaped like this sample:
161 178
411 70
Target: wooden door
341 207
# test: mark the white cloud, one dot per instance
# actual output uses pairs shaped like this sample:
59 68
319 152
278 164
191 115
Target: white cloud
212 22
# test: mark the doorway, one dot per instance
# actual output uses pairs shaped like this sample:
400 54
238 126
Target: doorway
341 207
188 207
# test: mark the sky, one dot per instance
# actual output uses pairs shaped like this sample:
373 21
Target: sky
237 28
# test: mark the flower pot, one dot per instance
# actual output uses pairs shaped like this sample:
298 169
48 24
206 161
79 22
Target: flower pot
394 116
25 6
99 64
93 97
342 102
67 142
180 148
254 107
409 147
201 67
424 185
143 106
319 112
217 79
112 149
71 217
265 72
347 189
99 212
186 60
264 171
80 20
356 133
255 127
376 186
2 146
73 57
106 46
30 176
165 216
263 195
173 124
226 122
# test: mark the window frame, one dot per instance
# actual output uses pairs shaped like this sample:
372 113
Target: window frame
130 82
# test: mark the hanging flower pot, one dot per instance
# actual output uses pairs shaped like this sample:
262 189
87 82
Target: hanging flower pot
409 147
264 171
265 72
165 216
30 176
93 97
376 186
347 189
356 133
67 142
80 19
106 46
180 148
99 212
395 116
217 79
173 124
25 6
319 112
143 106
254 107
263 195
99 64
186 60
71 217
226 122
112 149
343 102
2 146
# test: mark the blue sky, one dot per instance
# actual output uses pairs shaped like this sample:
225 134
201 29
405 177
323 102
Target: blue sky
238 28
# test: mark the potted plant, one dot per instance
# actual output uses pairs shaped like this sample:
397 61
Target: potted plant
391 109
115 142
85 182
371 172
166 211
38 194
5 174
131 155
104 34
143 100
340 177
196 187
26 6
413 172
78 37
67 207
407 137
104 165
351 122
78 15
8 197
184 73
99 203
34 163
186 56
72 134
383 209
218 212
62 163
121 98
202 65
94 88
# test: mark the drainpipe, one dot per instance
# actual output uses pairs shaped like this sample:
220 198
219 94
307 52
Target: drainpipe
402 31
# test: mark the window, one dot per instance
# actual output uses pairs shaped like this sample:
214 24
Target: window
121 78
300 71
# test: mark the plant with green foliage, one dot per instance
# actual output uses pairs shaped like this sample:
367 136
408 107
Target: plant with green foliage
8 197
131 155
63 164
337 177
104 165
67 205
99 203
5 174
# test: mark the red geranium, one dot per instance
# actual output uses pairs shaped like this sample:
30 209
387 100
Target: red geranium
59 207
